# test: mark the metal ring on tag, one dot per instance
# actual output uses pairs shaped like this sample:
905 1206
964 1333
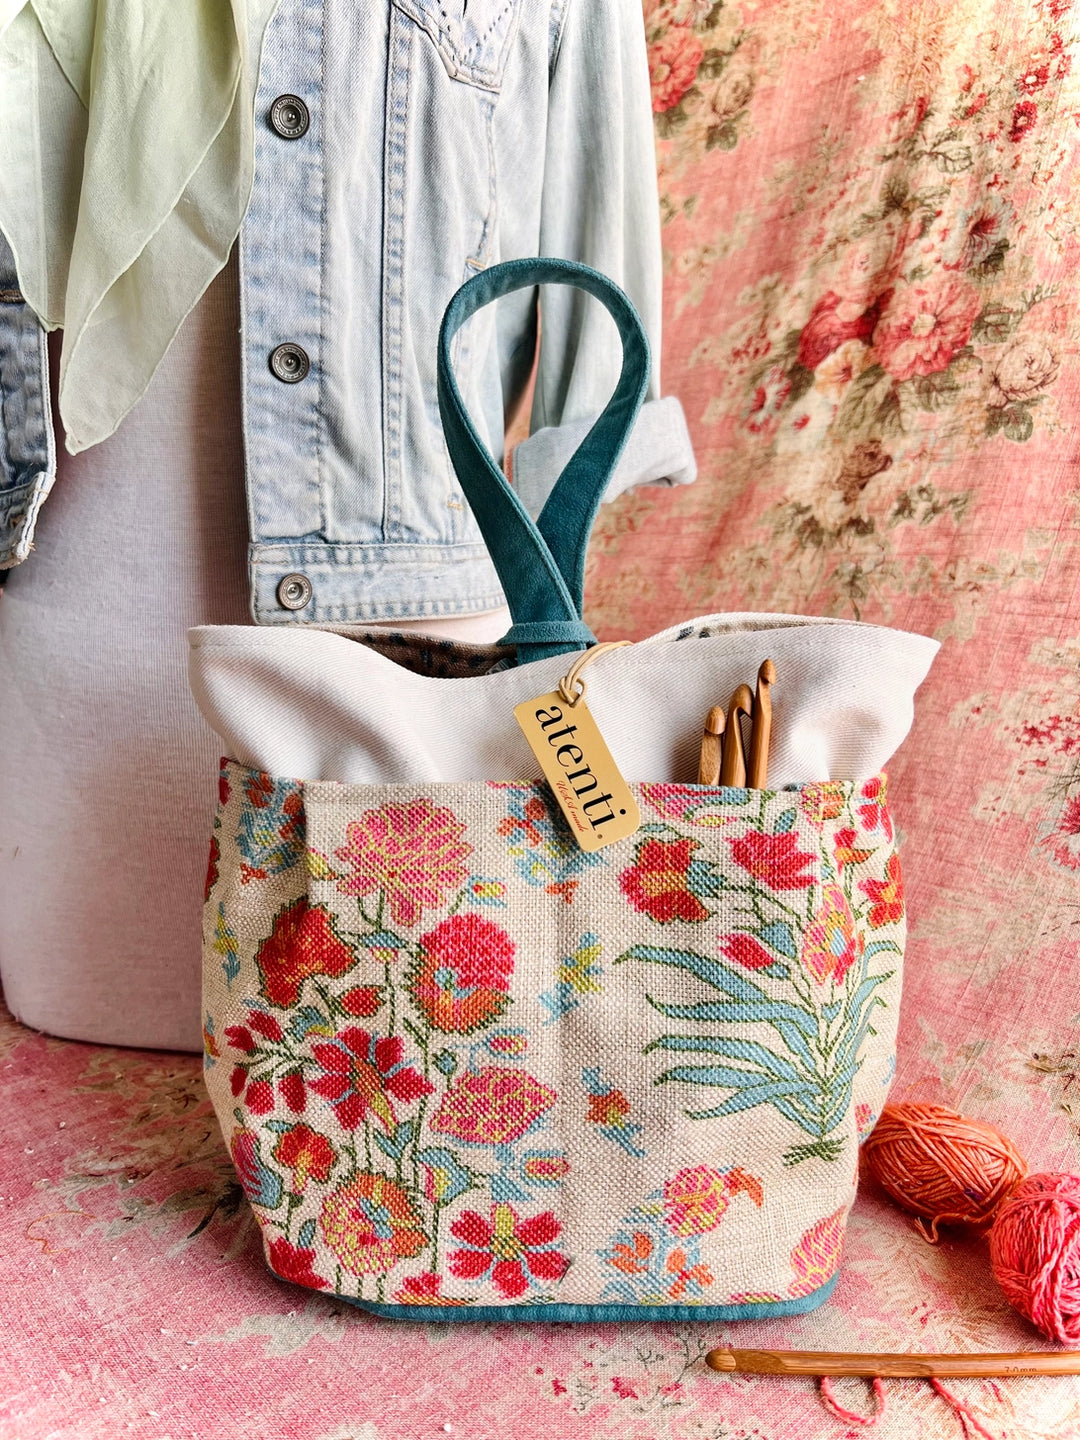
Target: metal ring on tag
573 679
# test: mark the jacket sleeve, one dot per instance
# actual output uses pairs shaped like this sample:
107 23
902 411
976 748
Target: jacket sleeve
27 445
599 206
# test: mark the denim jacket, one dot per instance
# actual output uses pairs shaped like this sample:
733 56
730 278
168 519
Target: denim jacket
401 146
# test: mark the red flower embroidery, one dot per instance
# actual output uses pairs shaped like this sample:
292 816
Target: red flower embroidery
264 1024
260 1097
307 1154
747 952
361 1073
293 1091
887 895
240 1038
293 1263
463 975
515 1251
673 67
303 943
424 1290
875 812
364 1000
845 851
658 883
774 859
212 867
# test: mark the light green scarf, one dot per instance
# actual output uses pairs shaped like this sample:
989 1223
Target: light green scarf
126 167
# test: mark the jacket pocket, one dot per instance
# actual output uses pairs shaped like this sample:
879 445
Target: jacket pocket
472 36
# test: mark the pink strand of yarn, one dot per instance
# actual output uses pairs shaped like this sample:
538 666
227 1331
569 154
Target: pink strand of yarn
867 1422
829 1400
1035 1253
942 1166
964 1411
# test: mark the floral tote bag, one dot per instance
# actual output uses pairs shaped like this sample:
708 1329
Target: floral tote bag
469 1069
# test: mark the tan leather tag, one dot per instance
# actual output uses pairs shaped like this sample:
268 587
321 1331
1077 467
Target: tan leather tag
577 764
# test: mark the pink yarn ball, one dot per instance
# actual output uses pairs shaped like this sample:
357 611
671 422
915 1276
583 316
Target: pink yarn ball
1035 1253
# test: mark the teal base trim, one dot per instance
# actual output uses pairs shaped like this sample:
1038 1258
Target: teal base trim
598 1314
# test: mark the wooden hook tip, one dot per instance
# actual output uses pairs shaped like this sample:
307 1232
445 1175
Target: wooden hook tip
767 673
722 1360
714 721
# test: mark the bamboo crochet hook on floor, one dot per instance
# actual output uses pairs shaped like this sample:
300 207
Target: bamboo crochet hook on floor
827 1362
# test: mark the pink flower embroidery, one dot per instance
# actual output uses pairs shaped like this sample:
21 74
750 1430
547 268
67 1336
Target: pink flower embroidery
412 853
774 859
673 67
697 1197
370 1224
823 800
830 943
515 1251
492 1106
923 326
816 1258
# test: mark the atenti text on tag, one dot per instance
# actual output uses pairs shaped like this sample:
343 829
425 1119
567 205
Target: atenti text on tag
577 764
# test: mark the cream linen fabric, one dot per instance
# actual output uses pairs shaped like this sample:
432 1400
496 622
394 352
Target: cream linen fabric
464 1068
321 707
111 248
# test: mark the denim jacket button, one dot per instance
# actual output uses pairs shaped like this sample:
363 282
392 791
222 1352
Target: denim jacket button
289 363
289 117
294 591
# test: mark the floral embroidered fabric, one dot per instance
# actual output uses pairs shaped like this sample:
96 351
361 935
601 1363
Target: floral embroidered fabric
463 1066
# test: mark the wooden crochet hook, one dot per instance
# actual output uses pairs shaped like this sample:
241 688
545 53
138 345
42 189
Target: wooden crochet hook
827 1362
733 762
708 770
761 728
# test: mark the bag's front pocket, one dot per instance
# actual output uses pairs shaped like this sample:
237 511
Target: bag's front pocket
468 1069
473 36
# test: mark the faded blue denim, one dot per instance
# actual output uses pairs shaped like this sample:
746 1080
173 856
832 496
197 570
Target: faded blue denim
444 135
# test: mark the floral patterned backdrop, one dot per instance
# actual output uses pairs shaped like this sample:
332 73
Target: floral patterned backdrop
871 221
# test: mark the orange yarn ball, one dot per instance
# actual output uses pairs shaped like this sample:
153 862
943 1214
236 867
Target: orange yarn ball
942 1166
1035 1253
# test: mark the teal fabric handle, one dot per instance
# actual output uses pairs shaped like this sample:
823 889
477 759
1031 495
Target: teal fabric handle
542 565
